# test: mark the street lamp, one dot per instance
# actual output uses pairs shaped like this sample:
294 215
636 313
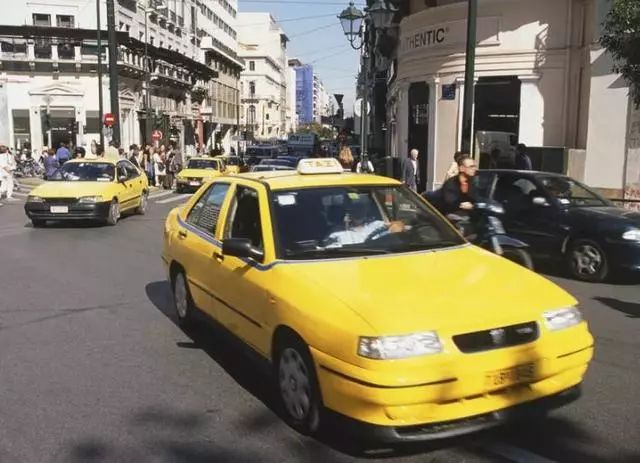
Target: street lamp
380 15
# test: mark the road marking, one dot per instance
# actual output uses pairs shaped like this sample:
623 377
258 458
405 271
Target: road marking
170 200
160 194
513 453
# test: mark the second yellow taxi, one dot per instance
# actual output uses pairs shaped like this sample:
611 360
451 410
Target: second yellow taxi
369 304
197 171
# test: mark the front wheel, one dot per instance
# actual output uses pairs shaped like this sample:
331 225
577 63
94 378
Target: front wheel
114 213
143 205
587 261
518 256
298 386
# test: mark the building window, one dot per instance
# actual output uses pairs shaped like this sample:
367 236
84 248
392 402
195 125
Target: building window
252 89
252 65
41 19
64 20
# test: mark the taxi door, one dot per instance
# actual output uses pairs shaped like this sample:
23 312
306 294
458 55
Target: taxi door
195 245
126 191
136 183
242 284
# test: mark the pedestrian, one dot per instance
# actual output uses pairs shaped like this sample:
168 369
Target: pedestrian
63 154
170 169
79 153
410 171
523 161
7 167
159 168
368 168
121 153
453 170
112 153
345 158
51 164
134 156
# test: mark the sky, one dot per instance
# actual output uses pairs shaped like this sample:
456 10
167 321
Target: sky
316 38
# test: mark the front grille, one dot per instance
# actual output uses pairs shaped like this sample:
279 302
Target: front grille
60 201
497 338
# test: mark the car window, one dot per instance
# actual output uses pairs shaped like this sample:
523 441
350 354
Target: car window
130 169
206 211
516 192
243 220
569 192
122 170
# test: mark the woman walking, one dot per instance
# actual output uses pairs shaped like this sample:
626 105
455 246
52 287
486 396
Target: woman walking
345 158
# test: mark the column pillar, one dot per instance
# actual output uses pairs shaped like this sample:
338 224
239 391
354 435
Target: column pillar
531 130
35 127
434 91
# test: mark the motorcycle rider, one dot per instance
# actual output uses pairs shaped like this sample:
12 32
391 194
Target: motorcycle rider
459 192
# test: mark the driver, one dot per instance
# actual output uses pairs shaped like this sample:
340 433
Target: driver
358 227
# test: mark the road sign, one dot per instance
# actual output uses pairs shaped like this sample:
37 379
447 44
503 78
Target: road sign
156 135
357 107
109 120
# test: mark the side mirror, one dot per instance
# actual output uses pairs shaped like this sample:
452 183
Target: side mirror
540 201
122 178
241 247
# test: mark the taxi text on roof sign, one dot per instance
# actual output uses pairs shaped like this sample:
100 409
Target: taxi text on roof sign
319 166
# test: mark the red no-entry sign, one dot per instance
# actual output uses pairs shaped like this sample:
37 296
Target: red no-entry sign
156 135
109 120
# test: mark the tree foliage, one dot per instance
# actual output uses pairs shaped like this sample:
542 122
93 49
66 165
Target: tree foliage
320 130
621 38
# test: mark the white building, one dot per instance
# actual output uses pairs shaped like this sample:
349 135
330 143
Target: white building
48 78
291 115
540 75
321 100
262 45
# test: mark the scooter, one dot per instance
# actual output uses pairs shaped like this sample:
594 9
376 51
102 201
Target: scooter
483 228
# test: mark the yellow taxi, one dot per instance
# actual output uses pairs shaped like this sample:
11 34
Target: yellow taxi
369 304
233 164
197 171
85 189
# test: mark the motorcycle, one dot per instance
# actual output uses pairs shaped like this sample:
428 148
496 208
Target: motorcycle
28 168
483 228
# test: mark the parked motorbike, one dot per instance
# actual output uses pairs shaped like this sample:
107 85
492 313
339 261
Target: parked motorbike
28 168
483 228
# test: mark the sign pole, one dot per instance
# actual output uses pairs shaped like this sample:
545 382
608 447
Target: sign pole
113 70
100 104
469 82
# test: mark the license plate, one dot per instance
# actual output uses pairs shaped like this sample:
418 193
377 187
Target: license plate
59 209
194 183
508 376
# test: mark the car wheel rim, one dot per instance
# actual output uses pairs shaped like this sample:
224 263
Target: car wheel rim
143 203
115 211
294 384
587 260
180 296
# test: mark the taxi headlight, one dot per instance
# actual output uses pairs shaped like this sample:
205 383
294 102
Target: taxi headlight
399 347
631 235
34 199
90 199
562 318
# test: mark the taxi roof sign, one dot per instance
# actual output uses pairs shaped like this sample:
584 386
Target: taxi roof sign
319 166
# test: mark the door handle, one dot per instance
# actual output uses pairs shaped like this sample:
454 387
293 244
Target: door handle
182 234
218 256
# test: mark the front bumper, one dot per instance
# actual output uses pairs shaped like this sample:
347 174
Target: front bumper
90 211
450 396
185 185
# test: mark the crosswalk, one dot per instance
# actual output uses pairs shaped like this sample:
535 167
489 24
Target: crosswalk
23 188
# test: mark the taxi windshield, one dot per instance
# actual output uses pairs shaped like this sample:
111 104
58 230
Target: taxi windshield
317 223
85 172
202 164
571 193
232 161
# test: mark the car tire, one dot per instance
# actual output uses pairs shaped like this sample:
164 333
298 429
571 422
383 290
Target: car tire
518 256
179 190
144 204
38 223
297 386
182 300
587 261
114 213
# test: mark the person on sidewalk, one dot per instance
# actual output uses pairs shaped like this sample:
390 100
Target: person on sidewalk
50 164
7 166
410 171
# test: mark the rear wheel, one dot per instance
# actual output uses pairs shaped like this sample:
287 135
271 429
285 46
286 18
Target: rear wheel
519 256
587 261
114 213
298 386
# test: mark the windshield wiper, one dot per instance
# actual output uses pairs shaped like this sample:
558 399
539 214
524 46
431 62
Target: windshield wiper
331 252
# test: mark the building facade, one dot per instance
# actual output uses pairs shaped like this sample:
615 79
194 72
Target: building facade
48 59
304 92
541 79
262 45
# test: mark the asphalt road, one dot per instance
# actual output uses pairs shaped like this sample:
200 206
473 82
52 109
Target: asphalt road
93 367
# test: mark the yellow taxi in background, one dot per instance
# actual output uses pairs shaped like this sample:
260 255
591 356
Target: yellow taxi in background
85 189
197 171
368 303
233 164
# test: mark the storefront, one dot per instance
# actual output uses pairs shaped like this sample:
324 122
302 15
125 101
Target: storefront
529 83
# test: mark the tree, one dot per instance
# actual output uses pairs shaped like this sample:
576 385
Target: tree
621 38
320 130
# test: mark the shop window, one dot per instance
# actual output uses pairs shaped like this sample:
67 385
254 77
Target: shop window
63 20
43 20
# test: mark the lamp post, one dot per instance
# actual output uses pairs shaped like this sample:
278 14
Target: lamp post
100 103
469 70
380 15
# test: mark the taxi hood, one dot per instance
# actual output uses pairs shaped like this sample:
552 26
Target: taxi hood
459 289
57 189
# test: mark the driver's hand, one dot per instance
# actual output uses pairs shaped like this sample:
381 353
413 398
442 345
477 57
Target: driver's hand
467 206
396 226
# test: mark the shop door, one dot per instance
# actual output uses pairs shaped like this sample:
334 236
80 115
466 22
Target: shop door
419 127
